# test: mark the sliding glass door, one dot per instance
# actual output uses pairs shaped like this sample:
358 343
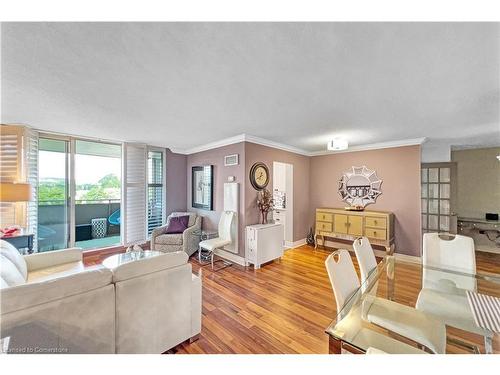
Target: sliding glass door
97 179
53 194
79 193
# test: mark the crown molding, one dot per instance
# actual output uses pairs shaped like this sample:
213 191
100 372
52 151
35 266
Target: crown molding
277 145
281 146
374 146
209 146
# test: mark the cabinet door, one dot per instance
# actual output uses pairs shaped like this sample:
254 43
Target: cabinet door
340 223
355 225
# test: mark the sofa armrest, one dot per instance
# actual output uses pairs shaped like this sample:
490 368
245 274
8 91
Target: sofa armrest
27 295
52 258
196 304
189 241
155 233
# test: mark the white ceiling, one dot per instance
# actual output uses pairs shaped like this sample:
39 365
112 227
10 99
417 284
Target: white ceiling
181 85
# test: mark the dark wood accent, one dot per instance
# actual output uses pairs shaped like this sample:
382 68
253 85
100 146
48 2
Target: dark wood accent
334 345
285 306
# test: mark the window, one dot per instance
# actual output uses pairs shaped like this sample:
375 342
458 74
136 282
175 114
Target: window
156 191
437 198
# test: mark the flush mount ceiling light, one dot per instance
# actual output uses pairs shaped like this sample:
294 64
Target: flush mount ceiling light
337 144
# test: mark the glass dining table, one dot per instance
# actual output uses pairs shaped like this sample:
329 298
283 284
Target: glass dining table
407 308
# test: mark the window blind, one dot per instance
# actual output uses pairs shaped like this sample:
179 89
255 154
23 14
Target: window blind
134 193
10 167
156 190
31 173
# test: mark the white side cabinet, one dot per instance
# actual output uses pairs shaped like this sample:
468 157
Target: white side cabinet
264 242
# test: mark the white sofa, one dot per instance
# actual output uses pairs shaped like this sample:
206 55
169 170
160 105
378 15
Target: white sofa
51 303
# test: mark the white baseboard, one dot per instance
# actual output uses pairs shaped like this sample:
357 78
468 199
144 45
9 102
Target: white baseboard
231 257
292 245
488 249
379 253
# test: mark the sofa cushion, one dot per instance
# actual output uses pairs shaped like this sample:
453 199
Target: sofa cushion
169 239
9 272
149 265
31 294
59 270
192 217
177 224
11 253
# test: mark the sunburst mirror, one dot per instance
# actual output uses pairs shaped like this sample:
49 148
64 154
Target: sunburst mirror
360 187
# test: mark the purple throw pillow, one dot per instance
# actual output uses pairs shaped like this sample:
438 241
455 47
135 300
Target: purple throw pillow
177 224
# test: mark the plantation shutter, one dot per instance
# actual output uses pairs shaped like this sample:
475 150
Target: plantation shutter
31 173
156 190
10 167
134 193
19 163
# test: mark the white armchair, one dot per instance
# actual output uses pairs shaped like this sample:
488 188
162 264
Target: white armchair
186 241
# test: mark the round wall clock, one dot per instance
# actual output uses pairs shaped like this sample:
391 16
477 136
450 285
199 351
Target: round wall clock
259 176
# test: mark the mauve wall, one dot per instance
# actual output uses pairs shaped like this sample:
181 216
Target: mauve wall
303 213
176 181
215 157
398 167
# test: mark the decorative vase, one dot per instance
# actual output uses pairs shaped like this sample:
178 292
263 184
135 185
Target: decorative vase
264 217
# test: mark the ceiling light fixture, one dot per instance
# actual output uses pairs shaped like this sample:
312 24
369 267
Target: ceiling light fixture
337 144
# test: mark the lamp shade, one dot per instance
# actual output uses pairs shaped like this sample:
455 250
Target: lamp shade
12 192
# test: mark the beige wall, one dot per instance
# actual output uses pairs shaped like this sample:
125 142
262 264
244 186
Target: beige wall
302 212
398 167
315 181
215 157
478 181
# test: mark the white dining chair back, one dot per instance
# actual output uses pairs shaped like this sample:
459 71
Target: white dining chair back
225 222
343 277
366 257
456 254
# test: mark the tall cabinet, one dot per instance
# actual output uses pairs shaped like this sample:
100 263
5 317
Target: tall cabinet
283 199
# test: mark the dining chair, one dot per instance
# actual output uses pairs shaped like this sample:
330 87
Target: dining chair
342 275
403 320
224 238
443 294
366 258
456 254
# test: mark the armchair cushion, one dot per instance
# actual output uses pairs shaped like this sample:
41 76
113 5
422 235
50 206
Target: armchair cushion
11 253
192 217
177 224
169 239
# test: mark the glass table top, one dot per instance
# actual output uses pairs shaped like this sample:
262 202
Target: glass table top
404 307
118 259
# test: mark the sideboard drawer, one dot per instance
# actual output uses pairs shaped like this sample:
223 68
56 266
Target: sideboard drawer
379 234
324 216
325 227
376 222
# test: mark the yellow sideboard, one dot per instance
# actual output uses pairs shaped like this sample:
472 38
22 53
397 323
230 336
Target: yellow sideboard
337 223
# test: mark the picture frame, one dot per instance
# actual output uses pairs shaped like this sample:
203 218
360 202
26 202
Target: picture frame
202 187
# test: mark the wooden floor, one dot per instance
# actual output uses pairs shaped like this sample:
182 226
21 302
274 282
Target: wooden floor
282 308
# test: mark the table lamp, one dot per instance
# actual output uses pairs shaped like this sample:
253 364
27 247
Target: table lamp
16 192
